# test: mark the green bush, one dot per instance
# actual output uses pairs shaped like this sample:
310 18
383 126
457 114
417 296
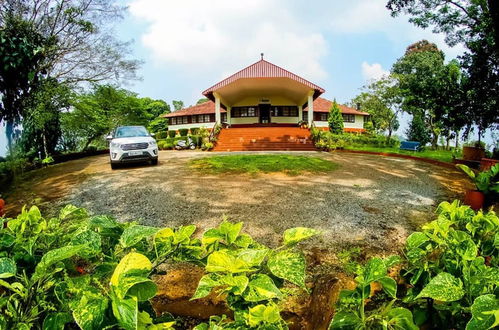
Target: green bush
197 139
195 130
93 272
329 141
165 144
450 274
172 134
161 135
183 131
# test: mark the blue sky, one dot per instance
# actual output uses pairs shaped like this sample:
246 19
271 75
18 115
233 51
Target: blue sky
189 45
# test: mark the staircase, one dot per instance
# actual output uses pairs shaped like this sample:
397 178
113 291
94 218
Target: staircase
264 138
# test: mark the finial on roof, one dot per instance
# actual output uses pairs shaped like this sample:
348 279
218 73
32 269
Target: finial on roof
261 55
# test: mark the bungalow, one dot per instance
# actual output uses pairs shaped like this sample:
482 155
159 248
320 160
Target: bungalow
264 94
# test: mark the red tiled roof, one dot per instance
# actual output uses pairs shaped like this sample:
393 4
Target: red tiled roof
323 105
207 107
320 105
262 69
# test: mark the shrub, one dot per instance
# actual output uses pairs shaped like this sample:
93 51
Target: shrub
161 135
195 130
164 145
183 131
172 133
207 146
197 139
450 275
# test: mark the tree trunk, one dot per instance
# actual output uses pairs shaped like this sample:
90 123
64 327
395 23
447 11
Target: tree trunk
45 145
447 142
457 139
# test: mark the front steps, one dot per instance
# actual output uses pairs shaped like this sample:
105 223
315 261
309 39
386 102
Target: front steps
264 139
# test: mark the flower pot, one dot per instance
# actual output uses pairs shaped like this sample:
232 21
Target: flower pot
473 153
474 199
487 163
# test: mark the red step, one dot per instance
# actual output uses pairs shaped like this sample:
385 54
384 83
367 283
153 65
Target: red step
264 138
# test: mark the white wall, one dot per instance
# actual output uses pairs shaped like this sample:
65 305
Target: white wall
285 120
359 123
244 120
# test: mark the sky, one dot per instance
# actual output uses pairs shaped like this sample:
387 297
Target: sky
189 45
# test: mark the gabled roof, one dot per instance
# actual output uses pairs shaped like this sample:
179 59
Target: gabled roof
323 105
262 69
207 107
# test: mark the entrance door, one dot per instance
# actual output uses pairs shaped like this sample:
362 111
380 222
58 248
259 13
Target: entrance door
264 110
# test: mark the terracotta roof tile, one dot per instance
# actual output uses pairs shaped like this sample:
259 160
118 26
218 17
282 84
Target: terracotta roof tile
198 109
323 105
262 69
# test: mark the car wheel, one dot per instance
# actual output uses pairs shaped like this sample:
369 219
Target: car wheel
193 147
154 162
114 166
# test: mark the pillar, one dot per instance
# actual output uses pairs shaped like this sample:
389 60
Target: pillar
300 112
310 106
228 115
218 117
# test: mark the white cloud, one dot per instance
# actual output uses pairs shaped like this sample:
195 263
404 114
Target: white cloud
223 36
373 71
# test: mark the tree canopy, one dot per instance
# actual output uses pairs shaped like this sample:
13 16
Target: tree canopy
335 119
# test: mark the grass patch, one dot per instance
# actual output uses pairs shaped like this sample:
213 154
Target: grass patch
253 164
441 155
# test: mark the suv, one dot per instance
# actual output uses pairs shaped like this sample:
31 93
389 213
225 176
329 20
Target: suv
130 144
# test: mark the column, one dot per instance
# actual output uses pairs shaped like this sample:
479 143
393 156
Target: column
310 106
228 115
218 118
300 113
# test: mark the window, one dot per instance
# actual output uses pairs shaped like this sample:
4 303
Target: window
284 111
244 112
224 117
367 119
185 119
173 121
348 118
323 117
304 116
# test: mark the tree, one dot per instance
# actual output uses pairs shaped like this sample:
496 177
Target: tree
422 79
335 119
177 105
202 100
381 99
22 52
475 25
418 130
155 107
98 112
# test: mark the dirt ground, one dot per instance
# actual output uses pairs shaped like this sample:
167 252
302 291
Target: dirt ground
370 201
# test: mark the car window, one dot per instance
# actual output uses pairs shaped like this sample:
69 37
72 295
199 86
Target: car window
131 131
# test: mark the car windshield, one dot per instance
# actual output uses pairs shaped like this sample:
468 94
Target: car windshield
131 131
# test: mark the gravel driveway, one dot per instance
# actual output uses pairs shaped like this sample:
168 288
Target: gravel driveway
369 201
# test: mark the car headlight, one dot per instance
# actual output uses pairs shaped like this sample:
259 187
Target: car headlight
115 145
152 144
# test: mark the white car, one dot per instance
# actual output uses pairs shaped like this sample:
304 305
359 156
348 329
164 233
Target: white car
129 144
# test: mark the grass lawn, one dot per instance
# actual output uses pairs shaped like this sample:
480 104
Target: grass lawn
441 155
253 164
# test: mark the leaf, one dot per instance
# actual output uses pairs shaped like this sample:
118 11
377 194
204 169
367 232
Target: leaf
402 318
205 285
466 170
226 262
345 320
252 257
126 312
73 212
135 233
288 265
55 256
416 240
183 234
243 241
212 236
103 222
374 270
262 287
56 321
230 231
234 284
263 314
443 287
485 313
389 286
91 240
139 287
293 236
6 240
130 277
89 313
8 267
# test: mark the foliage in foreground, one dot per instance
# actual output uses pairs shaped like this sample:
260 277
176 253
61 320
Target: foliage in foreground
292 165
450 278
94 272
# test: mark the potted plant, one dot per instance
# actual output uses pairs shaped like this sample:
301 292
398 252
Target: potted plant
487 186
303 124
474 151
